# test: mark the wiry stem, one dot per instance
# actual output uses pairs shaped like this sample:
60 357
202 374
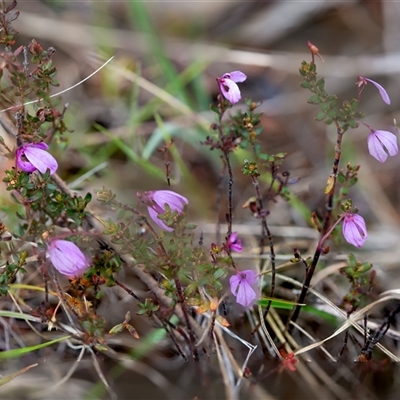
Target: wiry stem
230 194
218 202
330 191
266 232
127 290
181 299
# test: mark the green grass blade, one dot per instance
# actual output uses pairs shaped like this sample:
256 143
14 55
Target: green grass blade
15 353
141 18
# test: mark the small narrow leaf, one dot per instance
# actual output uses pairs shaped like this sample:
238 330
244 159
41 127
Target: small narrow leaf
116 329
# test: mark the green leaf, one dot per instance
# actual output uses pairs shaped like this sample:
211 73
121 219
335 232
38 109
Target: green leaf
278 303
354 104
315 99
332 113
220 272
116 329
15 353
320 116
352 260
353 181
327 317
325 107
341 178
17 315
305 85
353 124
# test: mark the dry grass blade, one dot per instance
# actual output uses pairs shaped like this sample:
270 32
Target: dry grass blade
62 91
51 389
12 376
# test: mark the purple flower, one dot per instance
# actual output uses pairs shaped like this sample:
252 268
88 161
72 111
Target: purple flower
354 229
234 243
228 87
67 258
33 156
363 81
241 286
381 144
156 200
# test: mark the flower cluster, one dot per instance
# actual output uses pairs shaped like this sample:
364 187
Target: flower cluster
157 199
32 157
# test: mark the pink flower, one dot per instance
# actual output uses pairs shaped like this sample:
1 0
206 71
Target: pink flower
33 156
363 81
156 200
67 258
234 243
241 286
228 87
354 229
381 144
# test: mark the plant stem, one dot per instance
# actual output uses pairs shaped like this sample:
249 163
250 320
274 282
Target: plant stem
266 232
230 194
181 300
330 191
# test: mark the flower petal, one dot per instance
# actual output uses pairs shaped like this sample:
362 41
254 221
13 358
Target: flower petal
174 200
375 148
382 91
154 216
41 159
251 276
389 140
234 282
41 145
245 294
67 258
230 90
354 229
156 200
360 222
381 144
23 164
234 243
236 76
240 285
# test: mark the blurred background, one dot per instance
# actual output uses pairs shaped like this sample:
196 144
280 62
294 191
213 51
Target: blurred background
161 82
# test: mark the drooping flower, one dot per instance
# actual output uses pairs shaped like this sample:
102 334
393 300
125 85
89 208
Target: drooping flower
234 243
382 144
241 284
354 229
314 51
228 87
34 156
156 200
363 81
67 258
